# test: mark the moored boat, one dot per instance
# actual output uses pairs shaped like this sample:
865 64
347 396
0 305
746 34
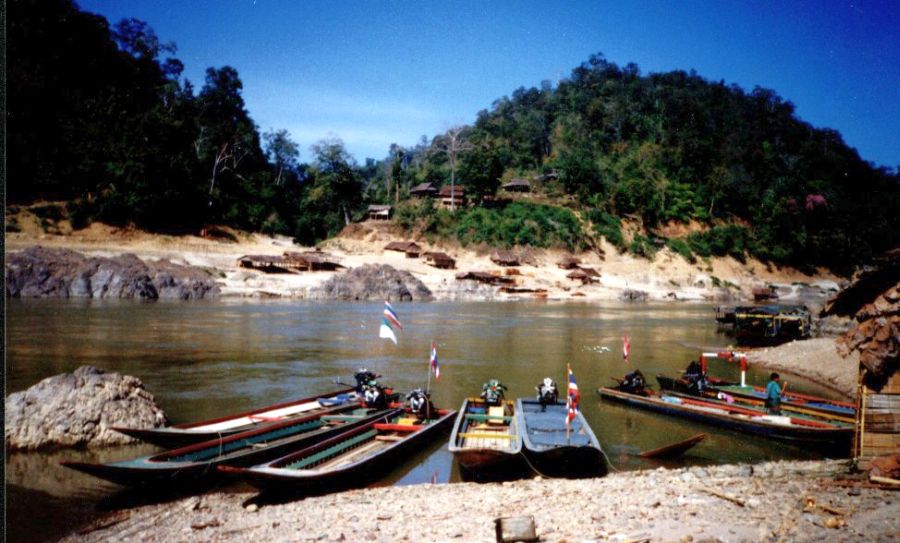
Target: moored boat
818 434
551 448
243 449
182 435
485 438
755 396
350 459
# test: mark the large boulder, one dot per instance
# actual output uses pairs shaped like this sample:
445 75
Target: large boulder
373 282
77 409
38 272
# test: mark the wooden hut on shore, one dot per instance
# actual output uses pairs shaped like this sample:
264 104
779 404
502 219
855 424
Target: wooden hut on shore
440 260
568 262
874 300
312 261
266 263
486 277
410 248
504 258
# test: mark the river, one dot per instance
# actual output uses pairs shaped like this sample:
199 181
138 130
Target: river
209 358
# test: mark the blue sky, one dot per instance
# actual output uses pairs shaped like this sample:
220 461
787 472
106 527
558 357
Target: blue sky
376 73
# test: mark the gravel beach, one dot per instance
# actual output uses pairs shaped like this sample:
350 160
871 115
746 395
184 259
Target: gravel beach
777 501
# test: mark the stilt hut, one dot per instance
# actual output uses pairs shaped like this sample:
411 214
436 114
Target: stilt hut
380 212
517 185
423 190
873 298
266 263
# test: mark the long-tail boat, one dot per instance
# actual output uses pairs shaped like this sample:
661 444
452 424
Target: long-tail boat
350 459
824 435
244 449
181 435
801 404
554 450
486 437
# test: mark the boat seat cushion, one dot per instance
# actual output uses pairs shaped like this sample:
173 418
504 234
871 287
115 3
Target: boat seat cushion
495 415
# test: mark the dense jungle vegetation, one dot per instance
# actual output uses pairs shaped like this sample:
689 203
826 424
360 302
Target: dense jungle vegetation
101 116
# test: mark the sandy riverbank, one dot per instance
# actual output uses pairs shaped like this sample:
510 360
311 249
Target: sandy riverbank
666 277
779 501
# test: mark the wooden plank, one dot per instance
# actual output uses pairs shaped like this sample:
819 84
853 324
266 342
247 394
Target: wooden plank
883 401
881 440
887 427
485 435
389 438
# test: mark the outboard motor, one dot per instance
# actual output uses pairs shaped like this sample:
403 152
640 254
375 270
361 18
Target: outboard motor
548 394
493 392
374 396
420 404
363 377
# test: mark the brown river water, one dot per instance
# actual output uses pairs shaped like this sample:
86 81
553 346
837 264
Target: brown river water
205 359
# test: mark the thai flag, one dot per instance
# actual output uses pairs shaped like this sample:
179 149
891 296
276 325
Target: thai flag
386 331
626 349
434 362
573 396
391 315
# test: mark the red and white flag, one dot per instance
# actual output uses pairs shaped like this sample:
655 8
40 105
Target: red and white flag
626 349
573 396
434 362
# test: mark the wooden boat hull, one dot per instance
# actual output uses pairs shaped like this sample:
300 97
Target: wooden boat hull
813 406
351 471
831 438
675 449
546 447
244 449
182 435
473 446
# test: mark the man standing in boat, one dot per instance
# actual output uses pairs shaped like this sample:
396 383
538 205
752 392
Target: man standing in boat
774 391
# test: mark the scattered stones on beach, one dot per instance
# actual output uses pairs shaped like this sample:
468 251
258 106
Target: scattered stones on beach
777 501
78 409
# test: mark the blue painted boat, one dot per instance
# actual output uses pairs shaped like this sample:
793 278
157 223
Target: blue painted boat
350 459
816 434
550 449
244 449
182 435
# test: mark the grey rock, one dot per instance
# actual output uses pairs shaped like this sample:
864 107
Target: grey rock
78 409
630 295
373 282
38 272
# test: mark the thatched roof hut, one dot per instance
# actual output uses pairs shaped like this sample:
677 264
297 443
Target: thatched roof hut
568 262
266 263
504 258
411 248
422 190
312 260
379 212
517 185
440 260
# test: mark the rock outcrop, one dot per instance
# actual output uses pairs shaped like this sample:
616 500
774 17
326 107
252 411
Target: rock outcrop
373 282
77 409
38 272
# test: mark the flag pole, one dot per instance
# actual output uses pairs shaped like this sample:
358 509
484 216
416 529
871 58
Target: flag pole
568 401
428 386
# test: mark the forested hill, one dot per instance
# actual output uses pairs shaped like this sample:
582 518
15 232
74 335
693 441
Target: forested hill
101 116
